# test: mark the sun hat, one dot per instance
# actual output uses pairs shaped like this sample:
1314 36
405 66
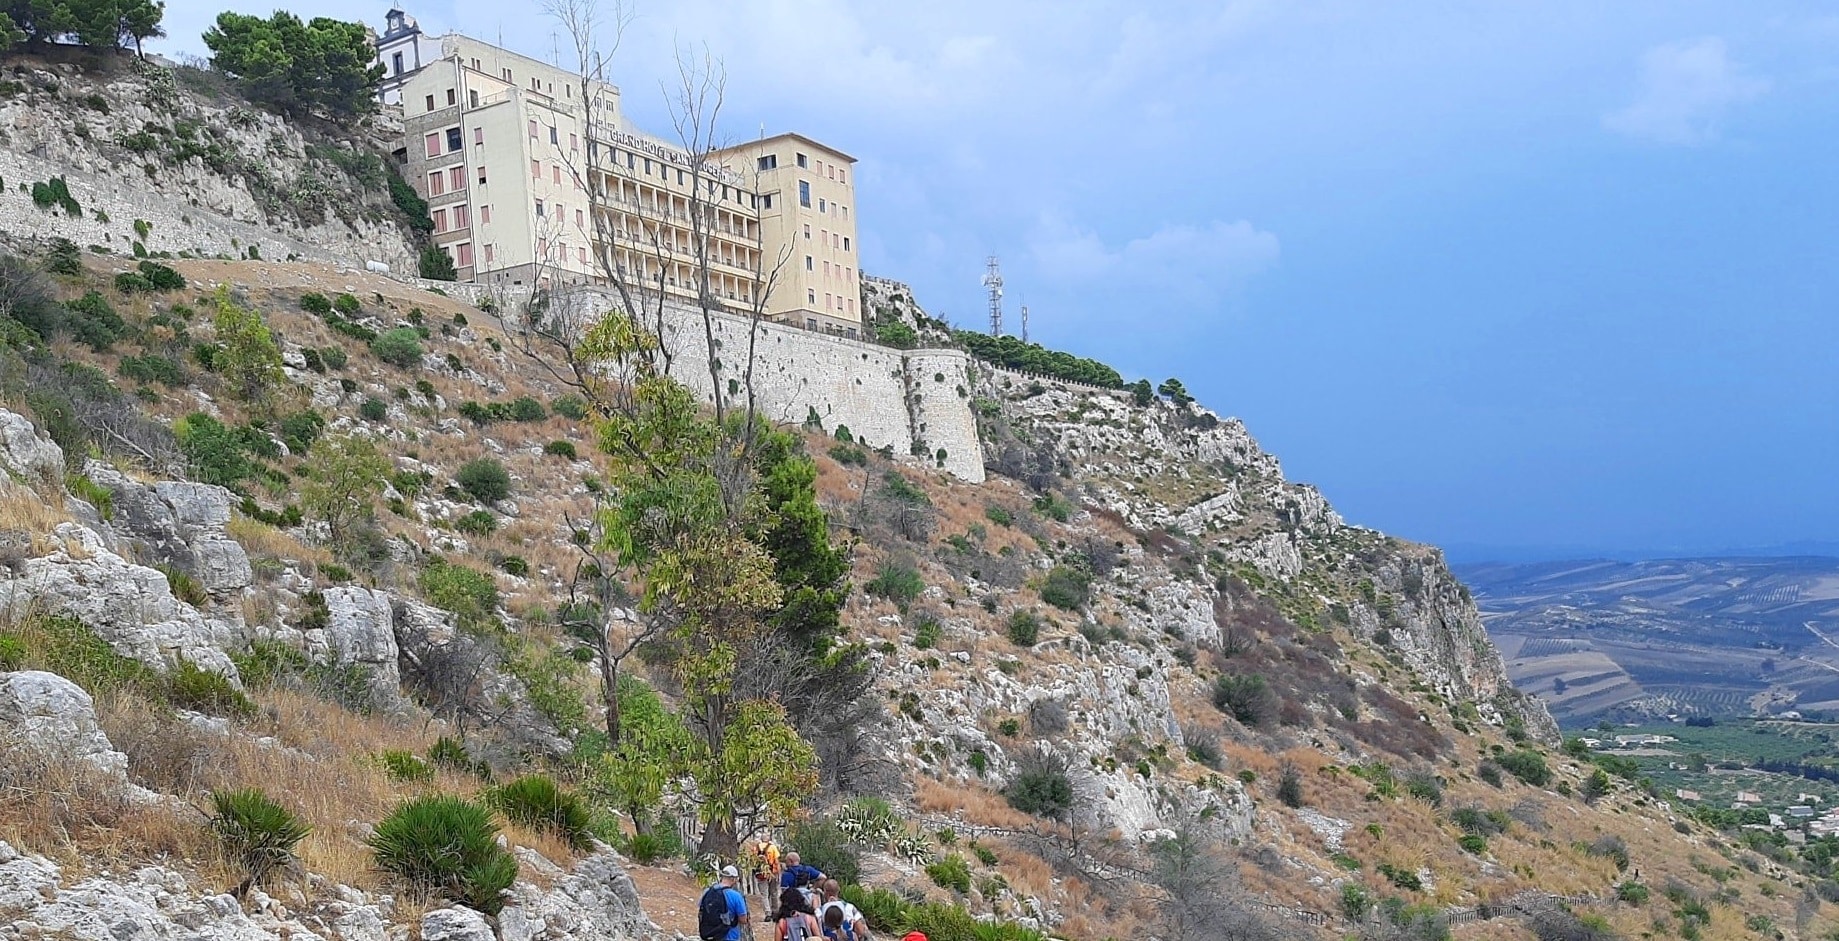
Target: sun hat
729 872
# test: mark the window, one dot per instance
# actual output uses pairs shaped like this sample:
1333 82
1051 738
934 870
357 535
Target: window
580 220
451 99
581 255
766 202
456 179
434 145
430 102
807 231
472 98
434 183
802 162
488 254
453 139
842 176
845 238
826 268
769 162
555 135
536 170
822 206
542 248
808 263
440 220
539 209
507 75
555 173
810 295
460 217
396 60
647 166
829 302
466 254
475 65
478 137
804 194
533 129
485 218
574 143
830 171
481 176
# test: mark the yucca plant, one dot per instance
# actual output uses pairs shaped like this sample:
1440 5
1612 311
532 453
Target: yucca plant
257 834
444 844
537 802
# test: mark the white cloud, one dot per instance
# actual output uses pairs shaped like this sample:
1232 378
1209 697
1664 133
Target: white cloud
1176 262
1685 90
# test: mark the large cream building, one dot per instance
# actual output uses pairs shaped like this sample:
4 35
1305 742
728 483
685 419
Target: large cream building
499 144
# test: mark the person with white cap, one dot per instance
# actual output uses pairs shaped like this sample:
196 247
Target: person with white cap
722 912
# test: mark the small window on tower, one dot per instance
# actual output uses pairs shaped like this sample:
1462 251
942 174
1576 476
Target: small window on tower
454 141
802 162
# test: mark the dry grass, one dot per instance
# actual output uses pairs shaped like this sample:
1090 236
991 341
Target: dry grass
23 509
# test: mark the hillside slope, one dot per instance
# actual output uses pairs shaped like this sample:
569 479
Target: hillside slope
1136 603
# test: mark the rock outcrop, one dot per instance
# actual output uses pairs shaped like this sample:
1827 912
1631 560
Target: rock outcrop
45 712
360 632
179 524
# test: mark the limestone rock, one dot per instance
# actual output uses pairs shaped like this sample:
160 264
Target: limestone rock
180 524
51 713
596 900
455 924
25 454
361 631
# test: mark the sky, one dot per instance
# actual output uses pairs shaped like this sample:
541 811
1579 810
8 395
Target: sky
1517 278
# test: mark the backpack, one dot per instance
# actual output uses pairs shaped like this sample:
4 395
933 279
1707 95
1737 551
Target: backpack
801 876
844 931
795 929
712 916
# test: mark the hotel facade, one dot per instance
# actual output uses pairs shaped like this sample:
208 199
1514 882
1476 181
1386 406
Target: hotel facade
505 149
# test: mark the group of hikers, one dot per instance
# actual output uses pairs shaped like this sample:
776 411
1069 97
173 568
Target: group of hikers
808 905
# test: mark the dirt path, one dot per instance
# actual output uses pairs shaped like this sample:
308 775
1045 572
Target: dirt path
669 897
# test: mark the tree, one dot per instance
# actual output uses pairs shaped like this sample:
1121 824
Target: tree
1141 392
98 24
247 356
10 33
1175 392
436 265
347 473
646 757
1196 888
323 66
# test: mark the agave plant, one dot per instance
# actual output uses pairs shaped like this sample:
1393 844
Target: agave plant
257 833
914 848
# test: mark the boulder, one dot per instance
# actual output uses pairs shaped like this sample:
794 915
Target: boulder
598 899
53 714
180 524
25 454
361 631
456 924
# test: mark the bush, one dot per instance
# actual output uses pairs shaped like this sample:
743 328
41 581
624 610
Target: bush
824 845
301 429
256 833
333 356
952 872
999 515
446 845
1066 588
535 801
161 277
472 596
1634 893
401 765
1527 765
12 653
648 848
1023 628
926 635
374 409
849 455
525 408
1489 772
560 449
1247 698
1041 786
347 304
485 480
152 367
1355 902
399 347
193 687
1473 843
569 406
267 662
129 282
94 322
477 523
435 264
898 582
1290 785
314 302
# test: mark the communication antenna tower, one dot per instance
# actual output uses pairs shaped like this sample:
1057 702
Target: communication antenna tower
1024 323
993 279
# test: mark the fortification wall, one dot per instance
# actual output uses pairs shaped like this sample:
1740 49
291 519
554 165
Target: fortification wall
912 402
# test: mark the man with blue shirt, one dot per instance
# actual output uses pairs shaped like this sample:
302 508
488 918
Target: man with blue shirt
798 875
723 910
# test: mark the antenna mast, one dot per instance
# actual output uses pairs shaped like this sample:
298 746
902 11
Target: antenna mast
993 279
1024 323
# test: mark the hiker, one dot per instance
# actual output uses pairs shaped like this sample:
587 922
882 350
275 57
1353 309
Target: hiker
765 854
794 917
847 915
797 875
722 910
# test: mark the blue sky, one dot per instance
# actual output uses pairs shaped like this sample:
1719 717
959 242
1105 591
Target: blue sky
1504 274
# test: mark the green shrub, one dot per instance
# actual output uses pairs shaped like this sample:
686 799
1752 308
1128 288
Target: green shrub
1042 787
267 662
570 406
333 356
314 302
525 408
1053 507
952 872
514 565
256 833
1023 628
1402 877
374 409
883 909
184 587
822 844
535 801
926 636
1066 588
1290 785
1355 902
192 687
161 277
1247 698
564 449
471 595
301 429
446 845
896 581
1489 772
12 653
1527 765
398 347
849 455
92 320
152 367
347 304
485 480
406 766
477 523
648 848
1633 893
450 753
999 515
128 282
